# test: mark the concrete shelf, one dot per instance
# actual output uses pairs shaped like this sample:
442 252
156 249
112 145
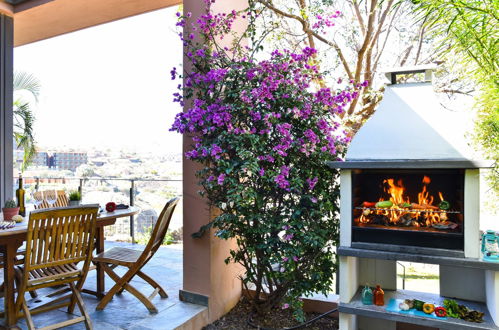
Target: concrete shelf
356 307
428 259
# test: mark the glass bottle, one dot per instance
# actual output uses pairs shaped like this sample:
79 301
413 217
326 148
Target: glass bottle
367 295
20 197
379 296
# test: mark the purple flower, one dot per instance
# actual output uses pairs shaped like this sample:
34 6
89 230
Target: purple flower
191 154
288 237
215 151
285 259
261 172
312 183
295 258
173 73
285 306
221 179
211 178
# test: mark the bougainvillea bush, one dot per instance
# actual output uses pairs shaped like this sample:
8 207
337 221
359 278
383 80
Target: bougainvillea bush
263 134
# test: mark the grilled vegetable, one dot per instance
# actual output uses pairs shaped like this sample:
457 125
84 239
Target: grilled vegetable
404 205
384 204
369 204
428 308
440 311
444 205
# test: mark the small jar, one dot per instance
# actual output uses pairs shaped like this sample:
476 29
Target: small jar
378 296
367 296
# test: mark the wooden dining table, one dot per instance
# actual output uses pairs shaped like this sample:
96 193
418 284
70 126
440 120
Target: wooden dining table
13 238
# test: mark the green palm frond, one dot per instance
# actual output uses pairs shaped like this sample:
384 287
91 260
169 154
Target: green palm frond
24 81
23 115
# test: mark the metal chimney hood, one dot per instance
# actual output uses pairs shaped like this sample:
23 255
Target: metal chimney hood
410 129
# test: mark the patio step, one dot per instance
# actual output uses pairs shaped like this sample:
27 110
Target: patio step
180 316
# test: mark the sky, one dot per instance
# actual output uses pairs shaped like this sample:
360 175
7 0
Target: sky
107 86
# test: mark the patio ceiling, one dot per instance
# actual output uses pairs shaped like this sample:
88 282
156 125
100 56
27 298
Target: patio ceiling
37 20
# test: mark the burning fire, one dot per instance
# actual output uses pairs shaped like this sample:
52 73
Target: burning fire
399 211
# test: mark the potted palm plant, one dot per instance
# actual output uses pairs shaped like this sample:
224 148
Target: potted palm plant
10 209
74 198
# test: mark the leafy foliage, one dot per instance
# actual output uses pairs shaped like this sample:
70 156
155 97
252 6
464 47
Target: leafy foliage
470 28
10 204
75 196
26 91
263 136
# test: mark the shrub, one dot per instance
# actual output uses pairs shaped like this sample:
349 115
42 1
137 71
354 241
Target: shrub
75 196
263 135
10 204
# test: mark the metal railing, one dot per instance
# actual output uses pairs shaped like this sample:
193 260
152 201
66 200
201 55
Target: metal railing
39 182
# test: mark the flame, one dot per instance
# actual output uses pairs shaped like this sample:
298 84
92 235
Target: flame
424 197
396 191
425 214
426 180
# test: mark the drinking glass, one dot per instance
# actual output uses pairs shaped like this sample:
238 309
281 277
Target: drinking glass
51 197
37 197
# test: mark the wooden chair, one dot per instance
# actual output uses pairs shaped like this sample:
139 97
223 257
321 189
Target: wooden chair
18 275
57 240
134 260
62 199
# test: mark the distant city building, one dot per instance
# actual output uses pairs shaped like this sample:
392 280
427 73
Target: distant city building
60 160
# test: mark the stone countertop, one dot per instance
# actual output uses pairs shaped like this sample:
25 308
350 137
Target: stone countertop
421 258
355 306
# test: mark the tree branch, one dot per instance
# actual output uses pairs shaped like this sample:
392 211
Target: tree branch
356 8
308 31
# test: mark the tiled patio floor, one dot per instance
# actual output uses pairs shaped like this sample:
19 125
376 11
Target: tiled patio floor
125 311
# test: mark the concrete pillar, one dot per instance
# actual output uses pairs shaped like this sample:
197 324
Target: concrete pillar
207 279
492 294
6 99
472 213
346 208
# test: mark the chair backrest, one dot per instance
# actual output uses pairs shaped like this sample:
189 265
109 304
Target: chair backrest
60 236
160 228
62 199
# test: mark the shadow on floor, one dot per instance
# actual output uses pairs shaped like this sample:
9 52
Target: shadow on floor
125 311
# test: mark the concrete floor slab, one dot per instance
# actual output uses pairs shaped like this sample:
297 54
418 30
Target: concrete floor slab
125 311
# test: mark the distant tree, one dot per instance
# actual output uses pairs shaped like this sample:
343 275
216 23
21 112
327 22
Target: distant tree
85 171
470 29
26 91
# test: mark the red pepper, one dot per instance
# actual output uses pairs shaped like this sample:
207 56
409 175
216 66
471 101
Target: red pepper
369 204
440 311
110 207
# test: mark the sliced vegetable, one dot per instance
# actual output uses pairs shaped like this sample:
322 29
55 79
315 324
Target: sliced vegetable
410 303
369 204
444 205
404 205
428 308
384 204
403 306
440 311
